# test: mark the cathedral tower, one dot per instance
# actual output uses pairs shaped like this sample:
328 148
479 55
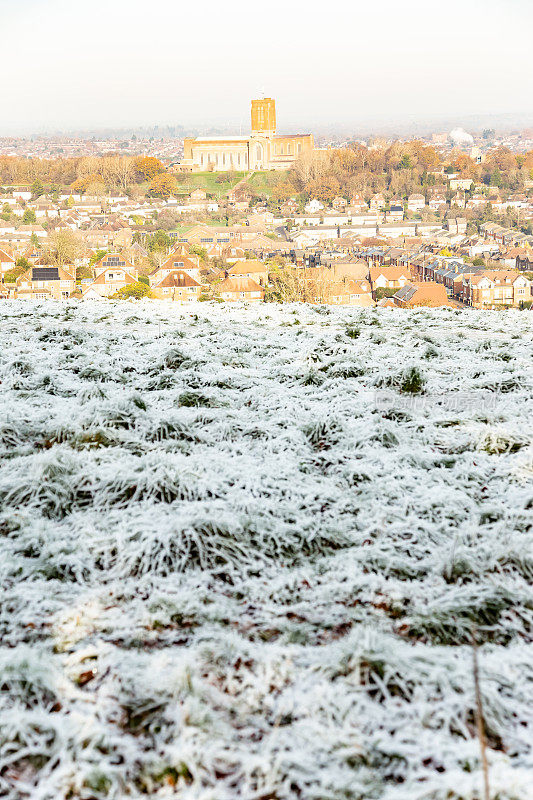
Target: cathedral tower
264 117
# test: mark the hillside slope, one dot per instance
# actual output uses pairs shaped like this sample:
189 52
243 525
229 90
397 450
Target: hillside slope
244 552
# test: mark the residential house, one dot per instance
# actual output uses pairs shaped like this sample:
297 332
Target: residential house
239 198
349 268
388 277
7 260
497 288
22 194
235 288
250 269
456 225
437 202
339 203
45 282
416 202
477 200
357 204
178 286
395 212
313 206
112 272
350 292
377 202
29 230
6 227
459 200
427 293
460 183
177 261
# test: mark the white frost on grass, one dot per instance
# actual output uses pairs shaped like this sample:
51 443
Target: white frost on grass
244 551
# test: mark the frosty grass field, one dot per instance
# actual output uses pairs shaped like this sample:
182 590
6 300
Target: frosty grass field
243 552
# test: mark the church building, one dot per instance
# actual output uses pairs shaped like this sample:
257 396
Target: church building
263 149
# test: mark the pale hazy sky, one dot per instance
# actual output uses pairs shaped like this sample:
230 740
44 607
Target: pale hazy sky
72 64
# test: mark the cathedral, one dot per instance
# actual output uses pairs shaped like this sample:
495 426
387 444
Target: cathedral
262 149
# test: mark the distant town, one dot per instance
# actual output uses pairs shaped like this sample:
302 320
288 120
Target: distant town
265 216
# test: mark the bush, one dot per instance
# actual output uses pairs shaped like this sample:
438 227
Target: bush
135 290
412 381
382 292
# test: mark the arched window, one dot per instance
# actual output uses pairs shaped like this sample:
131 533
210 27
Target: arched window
259 152
289 148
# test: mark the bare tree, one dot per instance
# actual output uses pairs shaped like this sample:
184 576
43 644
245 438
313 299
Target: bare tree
65 247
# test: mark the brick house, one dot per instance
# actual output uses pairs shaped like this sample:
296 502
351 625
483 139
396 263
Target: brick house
178 286
253 268
45 283
427 293
240 288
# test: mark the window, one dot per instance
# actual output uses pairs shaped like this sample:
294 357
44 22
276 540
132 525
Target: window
299 147
178 263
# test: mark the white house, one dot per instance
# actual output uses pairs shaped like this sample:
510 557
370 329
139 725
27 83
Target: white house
314 206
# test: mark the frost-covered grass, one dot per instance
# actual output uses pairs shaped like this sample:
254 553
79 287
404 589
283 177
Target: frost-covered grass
243 552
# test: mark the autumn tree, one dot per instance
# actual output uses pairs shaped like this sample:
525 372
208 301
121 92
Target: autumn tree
282 191
147 167
162 185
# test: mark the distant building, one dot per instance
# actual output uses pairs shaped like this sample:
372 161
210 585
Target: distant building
416 202
262 149
460 183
